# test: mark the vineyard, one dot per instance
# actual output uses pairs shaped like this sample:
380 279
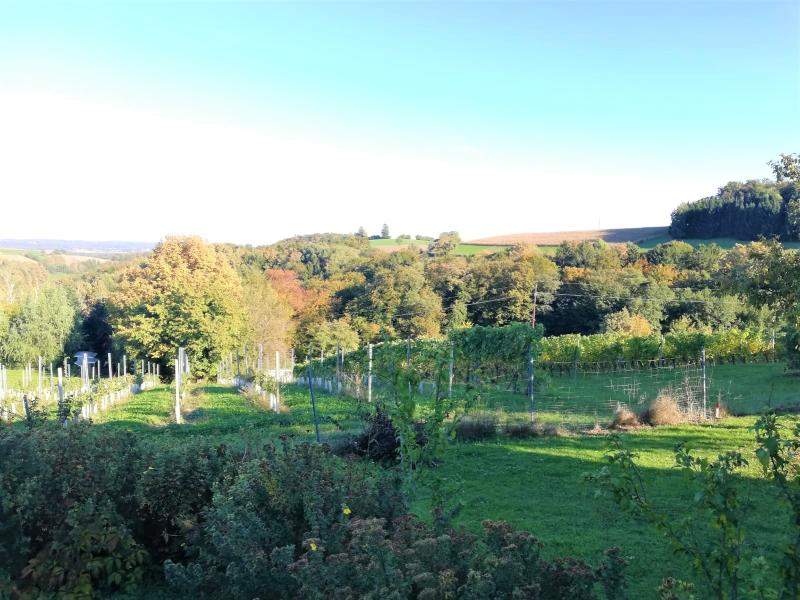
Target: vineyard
571 379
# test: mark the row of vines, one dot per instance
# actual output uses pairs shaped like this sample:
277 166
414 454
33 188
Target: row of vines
503 354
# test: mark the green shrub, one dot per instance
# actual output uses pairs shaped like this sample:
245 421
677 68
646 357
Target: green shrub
88 512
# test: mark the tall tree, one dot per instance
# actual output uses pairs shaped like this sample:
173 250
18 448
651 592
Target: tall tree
183 294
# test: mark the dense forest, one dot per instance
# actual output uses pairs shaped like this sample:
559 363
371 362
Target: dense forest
746 211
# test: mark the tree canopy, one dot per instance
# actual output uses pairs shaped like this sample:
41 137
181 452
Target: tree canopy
183 294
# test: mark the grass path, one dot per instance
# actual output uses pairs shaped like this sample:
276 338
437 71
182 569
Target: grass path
223 414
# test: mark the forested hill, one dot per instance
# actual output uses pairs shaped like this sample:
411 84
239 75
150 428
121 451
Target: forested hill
746 211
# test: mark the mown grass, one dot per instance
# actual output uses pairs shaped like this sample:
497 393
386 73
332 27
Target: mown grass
579 401
539 485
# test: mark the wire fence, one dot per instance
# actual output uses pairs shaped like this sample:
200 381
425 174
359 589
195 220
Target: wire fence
578 398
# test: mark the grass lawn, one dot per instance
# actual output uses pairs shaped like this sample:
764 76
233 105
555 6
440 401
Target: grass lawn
538 485
578 401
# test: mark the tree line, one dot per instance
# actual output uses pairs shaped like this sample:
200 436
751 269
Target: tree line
320 292
747 210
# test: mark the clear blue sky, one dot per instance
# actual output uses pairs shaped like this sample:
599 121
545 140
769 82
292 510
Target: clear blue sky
629 96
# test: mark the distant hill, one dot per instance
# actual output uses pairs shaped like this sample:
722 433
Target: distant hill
615 236
77 246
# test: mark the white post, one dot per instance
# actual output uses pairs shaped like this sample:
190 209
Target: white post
178 374
85 373
450 371
705 392
110 367
369 373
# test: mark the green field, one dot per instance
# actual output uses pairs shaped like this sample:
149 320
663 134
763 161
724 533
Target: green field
223 414
538 485
461 249
726 243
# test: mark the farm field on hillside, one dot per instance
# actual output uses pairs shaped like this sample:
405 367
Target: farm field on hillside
392 245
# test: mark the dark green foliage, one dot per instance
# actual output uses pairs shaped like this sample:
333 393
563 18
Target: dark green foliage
745 211
406 560
379 440
260 520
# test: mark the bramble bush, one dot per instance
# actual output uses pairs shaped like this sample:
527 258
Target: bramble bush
92 513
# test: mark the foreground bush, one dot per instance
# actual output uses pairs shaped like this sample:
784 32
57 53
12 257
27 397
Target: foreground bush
92 513
88 513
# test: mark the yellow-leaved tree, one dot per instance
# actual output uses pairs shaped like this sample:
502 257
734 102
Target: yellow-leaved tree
184 293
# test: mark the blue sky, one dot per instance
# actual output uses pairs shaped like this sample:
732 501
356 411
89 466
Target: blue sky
488 118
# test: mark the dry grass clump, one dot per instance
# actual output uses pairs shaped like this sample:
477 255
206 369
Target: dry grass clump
552 430
528 429
521 429
664 410
476 427
624 418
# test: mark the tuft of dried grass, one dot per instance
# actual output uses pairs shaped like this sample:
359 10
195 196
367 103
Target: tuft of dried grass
476 427
624 418
664 410
551 430
521 429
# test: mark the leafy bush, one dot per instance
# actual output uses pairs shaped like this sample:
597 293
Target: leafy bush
87 512
407 560
378 441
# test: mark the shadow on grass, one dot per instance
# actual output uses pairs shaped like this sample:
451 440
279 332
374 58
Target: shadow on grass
539 485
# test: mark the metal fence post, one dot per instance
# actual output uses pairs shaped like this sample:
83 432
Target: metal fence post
705 390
